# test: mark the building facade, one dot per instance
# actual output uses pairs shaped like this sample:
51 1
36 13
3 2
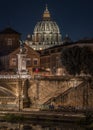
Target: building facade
32 60
9 42
50 60
9 49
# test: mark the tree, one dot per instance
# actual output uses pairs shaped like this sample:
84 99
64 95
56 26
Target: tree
87 60
71 59
77 59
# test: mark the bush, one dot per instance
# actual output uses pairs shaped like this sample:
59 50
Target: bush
13 118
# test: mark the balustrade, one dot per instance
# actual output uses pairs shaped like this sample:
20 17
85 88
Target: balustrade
15 76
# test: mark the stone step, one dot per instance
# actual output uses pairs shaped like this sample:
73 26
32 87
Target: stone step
50 93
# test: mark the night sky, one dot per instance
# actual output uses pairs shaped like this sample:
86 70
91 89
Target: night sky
74 17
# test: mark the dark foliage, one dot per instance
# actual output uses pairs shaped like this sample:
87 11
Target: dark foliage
77 59
87 60
13 118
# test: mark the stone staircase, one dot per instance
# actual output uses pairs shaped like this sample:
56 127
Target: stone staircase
65 92
50 92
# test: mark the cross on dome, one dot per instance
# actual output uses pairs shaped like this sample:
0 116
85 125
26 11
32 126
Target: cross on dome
46 8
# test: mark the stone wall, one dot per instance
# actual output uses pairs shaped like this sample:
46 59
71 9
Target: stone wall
64 91
46 91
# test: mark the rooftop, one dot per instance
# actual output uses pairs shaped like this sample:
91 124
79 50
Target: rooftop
9 30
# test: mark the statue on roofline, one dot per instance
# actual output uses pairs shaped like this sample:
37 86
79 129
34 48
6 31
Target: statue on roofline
22 48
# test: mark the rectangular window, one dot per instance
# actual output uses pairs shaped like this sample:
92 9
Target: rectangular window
9 41
13 61
28 62
35 61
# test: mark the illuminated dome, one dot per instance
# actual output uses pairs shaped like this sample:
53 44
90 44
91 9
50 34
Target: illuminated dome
46 33
46 27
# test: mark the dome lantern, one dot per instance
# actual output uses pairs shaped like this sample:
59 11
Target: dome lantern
46 14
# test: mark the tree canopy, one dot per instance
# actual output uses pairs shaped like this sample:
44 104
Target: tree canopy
77 59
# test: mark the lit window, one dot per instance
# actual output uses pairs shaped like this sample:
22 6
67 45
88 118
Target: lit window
13 61
9 41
